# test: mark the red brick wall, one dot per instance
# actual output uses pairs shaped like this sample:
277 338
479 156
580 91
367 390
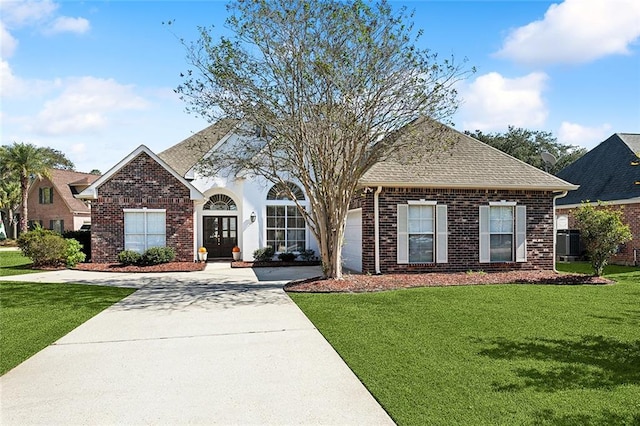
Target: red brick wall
141 183
57 210
463 227
631 217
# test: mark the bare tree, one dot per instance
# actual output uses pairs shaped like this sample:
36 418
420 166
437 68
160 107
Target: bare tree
333 85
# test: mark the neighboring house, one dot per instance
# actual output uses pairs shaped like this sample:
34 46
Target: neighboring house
471 208
52 203
610 172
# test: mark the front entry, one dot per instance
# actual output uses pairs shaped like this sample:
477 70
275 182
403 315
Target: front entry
220 235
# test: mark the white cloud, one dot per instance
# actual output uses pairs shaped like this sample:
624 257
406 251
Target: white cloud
587 137
38 14
493 102
29 12
65 24
576 31
86 104
14 87
9 43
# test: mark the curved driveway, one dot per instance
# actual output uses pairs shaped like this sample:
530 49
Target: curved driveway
221 346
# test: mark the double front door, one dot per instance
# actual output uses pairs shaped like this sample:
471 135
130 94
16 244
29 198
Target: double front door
220 235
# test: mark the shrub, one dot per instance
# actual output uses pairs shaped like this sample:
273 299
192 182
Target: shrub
44 247
84 238
129 257
602 231
287 256
153 256
264 254
157 255
307 255
73 253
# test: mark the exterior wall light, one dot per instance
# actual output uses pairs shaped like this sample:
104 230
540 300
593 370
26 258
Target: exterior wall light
253 217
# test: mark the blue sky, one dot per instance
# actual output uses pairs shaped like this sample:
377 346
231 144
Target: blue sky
95 79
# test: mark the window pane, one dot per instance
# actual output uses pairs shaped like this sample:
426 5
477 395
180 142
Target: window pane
154 240
501 219
156 223
134 242
134 223
420 248
501 248
420 219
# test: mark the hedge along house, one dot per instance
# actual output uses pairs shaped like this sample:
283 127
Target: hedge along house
472 207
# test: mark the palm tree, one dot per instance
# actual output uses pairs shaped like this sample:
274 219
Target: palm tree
27 162
9 202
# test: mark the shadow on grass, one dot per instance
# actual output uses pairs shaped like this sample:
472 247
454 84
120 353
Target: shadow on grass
606 417
593 362
70 296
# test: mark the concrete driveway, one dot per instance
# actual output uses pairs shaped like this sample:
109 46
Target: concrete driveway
220 346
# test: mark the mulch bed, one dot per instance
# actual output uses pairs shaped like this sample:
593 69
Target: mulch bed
275 263
369 283
163 267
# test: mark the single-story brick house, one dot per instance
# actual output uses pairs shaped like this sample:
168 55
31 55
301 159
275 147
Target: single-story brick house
472 207
610 172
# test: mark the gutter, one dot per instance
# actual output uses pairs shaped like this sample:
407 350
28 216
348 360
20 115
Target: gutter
376 227
555 226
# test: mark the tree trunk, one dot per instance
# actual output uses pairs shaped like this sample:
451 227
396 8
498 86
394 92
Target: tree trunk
330 240
24 187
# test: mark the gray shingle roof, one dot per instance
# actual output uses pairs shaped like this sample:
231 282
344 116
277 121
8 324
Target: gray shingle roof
606 172
469 163
186 154
632 140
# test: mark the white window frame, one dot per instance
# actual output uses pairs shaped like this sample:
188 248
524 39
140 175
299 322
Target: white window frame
440 233
146 245
283 204
519 232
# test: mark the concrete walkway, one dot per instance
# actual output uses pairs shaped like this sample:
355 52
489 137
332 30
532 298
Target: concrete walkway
220 346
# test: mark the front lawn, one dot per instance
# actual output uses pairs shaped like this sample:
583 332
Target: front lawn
32 315
12 262
496 354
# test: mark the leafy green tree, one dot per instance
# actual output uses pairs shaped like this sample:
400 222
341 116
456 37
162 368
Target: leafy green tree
528 145
602 231
24 162
331 87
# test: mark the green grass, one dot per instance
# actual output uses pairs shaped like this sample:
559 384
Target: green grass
14 263
33 315
493 355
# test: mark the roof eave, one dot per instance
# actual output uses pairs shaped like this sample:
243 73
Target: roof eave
390 184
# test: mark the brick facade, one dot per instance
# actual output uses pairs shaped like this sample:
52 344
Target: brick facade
57 210
141 183
631 217
463 229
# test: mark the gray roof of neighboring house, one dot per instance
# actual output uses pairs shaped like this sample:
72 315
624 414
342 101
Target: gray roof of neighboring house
183 156
469 163
606 172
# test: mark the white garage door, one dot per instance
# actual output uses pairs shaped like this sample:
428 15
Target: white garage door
352 248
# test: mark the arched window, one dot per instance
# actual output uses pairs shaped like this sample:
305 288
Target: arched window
286 228
280 192
220 202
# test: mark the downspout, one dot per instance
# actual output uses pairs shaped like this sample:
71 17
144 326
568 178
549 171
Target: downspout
376 229
555 226
195 232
